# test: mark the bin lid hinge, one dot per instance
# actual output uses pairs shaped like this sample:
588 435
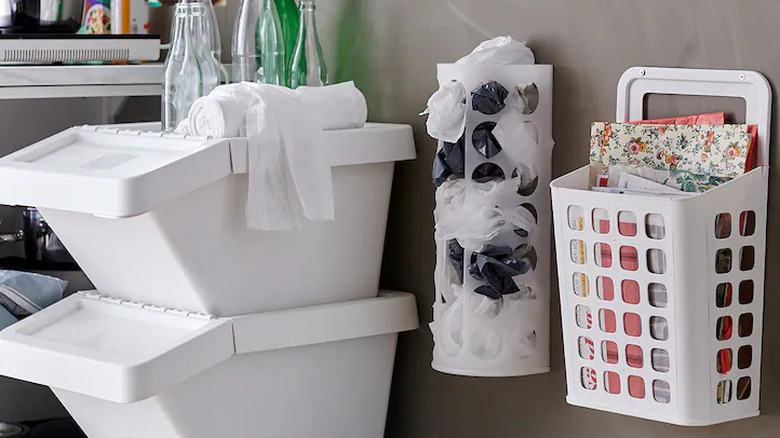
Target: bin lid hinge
94 295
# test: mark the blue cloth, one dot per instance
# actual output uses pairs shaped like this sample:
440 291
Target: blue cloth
6 318
24 293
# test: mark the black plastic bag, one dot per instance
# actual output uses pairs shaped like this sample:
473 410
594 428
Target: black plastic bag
497 266
455 157
486 172
456 258
489 98
484 141
440 170
488 292
450 160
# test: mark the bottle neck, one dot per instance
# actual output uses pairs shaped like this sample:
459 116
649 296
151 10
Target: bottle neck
307 12
189 23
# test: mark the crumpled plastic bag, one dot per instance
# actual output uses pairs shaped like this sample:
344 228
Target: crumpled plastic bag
484 141
525 98
526 133
487 172
478 222
447 112
456 257
523 218
497 265
525 293
500 50
487 307
471 223
526 178
450 160
489 98
440 170
450 196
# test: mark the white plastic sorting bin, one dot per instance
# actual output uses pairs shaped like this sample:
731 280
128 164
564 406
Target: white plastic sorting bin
659 354
300 345
126 370
160 219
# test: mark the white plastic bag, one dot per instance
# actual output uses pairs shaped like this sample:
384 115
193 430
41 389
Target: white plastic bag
447 112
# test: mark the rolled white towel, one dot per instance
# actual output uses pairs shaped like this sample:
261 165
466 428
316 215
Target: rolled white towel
339 106
222 113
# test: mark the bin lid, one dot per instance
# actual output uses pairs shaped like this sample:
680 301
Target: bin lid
117 171
112 349
110 172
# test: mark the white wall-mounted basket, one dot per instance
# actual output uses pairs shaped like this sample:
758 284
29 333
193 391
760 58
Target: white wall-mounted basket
680 345
496 334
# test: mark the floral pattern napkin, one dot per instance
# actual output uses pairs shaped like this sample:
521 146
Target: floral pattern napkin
675 178
700 149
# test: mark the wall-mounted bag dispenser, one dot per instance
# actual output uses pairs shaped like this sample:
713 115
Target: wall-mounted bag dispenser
493 251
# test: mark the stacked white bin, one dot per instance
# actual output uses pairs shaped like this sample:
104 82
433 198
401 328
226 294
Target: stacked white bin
686 348
201 327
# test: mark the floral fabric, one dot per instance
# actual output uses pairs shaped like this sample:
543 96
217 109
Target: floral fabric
674 178
700 149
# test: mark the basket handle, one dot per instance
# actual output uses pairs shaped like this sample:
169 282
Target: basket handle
637 82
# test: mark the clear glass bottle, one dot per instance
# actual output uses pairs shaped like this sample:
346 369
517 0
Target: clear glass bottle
190 71
215 40
308 62
211 30
288 15
258 47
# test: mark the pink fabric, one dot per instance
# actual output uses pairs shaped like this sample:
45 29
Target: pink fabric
608 321
612 382
602 226
636 386
634 356
610 352
629 257
607 288
605 255
698 119
630 291
632 324
627 228
752 156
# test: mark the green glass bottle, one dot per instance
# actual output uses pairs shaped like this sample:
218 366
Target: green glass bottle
288 16
258 49
307 66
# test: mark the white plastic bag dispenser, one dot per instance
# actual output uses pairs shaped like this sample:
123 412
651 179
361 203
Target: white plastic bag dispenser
475 335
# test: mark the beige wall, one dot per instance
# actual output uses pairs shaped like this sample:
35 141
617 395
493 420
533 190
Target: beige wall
391 47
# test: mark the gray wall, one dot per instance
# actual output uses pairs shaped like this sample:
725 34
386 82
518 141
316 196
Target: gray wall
391 46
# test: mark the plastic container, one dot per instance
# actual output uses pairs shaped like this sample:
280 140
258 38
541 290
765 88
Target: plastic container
504 334
662 298
124 369
169 215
